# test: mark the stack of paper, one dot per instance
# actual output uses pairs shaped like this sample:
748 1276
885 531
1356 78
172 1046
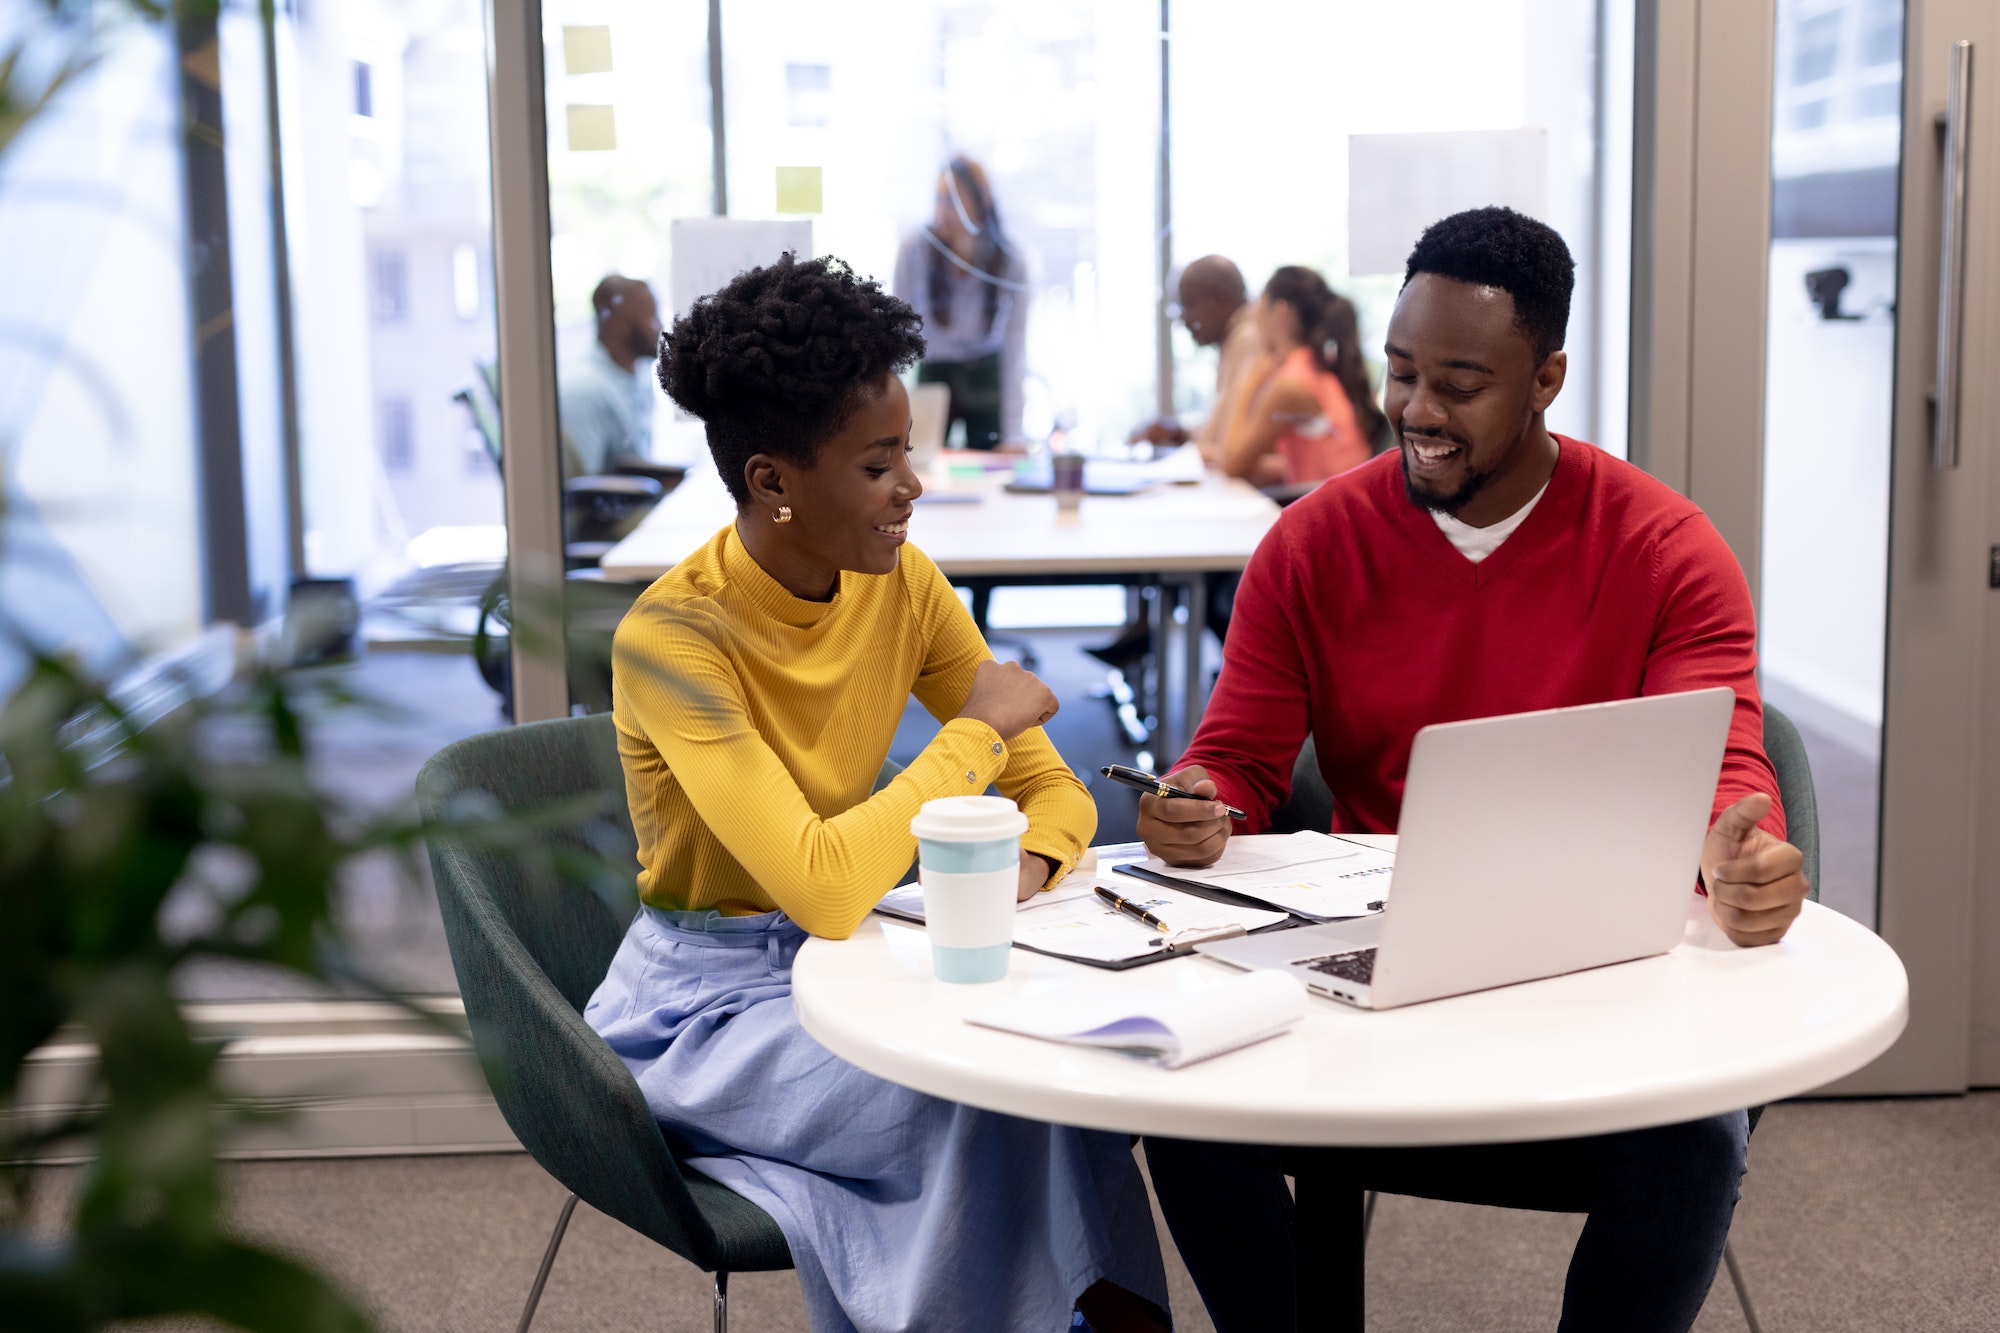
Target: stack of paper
1170 1028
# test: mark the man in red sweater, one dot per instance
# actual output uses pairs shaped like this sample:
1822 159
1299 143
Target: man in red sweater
1486 567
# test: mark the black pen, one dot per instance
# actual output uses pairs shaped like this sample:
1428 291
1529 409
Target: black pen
1130 908
1138 779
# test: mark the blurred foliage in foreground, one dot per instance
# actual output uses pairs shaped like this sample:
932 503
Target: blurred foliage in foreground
101 821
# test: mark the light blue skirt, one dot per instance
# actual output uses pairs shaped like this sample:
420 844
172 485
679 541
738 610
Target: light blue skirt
902 1211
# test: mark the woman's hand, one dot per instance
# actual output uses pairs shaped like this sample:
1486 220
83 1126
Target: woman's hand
1008 699
1035 872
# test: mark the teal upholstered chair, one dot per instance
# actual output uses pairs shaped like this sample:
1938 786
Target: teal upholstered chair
1310 806
1787 754
529 948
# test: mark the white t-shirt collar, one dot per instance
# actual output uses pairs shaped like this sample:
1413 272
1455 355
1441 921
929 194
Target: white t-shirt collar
1475 544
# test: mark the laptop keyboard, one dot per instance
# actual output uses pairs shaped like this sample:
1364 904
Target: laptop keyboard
1357 966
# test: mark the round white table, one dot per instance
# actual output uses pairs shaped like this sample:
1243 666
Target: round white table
1704 1029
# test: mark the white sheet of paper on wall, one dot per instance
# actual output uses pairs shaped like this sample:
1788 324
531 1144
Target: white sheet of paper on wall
592 129
708 252
1398 184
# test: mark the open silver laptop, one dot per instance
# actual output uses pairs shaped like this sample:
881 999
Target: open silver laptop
1530 845
930 417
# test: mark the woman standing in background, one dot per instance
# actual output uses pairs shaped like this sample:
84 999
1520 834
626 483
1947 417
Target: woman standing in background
1315 414
971 288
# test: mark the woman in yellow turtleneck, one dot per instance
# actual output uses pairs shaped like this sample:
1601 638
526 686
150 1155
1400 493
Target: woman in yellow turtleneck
756 689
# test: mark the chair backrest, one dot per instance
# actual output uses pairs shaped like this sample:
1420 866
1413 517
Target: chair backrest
1787 754
1310 805
529 949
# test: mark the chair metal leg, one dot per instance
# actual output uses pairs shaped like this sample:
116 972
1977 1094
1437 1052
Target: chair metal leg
548 1262
1367 1216
722 1303
1742 1289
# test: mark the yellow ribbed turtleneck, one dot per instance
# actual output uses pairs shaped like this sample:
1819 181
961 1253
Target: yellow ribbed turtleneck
752 725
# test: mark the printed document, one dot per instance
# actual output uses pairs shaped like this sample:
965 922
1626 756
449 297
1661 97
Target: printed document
1313 875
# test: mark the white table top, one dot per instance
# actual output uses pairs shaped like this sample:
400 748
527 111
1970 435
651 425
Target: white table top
1704 1029
1209 527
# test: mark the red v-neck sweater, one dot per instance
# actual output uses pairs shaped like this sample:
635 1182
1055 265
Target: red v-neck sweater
1359 621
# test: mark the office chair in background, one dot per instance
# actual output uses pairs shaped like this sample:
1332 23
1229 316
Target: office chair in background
599 509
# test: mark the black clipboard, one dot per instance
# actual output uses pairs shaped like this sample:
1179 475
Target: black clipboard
1177 949
1181 948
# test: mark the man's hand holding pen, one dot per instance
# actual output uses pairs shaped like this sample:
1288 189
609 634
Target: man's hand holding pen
1185 832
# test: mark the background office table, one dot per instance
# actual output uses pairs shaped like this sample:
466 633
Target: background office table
1173 534
1704 1029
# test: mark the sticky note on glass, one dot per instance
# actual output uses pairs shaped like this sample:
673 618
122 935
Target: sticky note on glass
798 190
592 129
586 49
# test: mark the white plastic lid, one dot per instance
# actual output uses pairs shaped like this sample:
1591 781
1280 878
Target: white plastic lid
969 819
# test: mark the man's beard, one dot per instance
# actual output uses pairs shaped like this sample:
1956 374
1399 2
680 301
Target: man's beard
1449 502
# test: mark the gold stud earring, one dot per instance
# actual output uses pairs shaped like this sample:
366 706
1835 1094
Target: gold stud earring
784 514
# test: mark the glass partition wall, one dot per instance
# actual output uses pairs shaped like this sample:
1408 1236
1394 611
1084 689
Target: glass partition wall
245 299
1323 134
1058 103
1836 143
1061 104
356 178
381 109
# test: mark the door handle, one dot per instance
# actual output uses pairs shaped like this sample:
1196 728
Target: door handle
1951 256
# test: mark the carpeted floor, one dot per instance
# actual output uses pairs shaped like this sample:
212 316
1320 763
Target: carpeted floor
1860 1215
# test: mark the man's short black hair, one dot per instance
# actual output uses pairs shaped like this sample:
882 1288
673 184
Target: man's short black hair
777 361
1497 247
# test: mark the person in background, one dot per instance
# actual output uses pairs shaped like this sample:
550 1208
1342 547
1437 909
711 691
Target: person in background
970 287
756 689
1216 311
606 393
1314 414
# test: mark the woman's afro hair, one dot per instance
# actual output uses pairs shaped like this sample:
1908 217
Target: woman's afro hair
777 360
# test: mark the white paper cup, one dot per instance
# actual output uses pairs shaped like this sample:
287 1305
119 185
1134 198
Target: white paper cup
969 863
